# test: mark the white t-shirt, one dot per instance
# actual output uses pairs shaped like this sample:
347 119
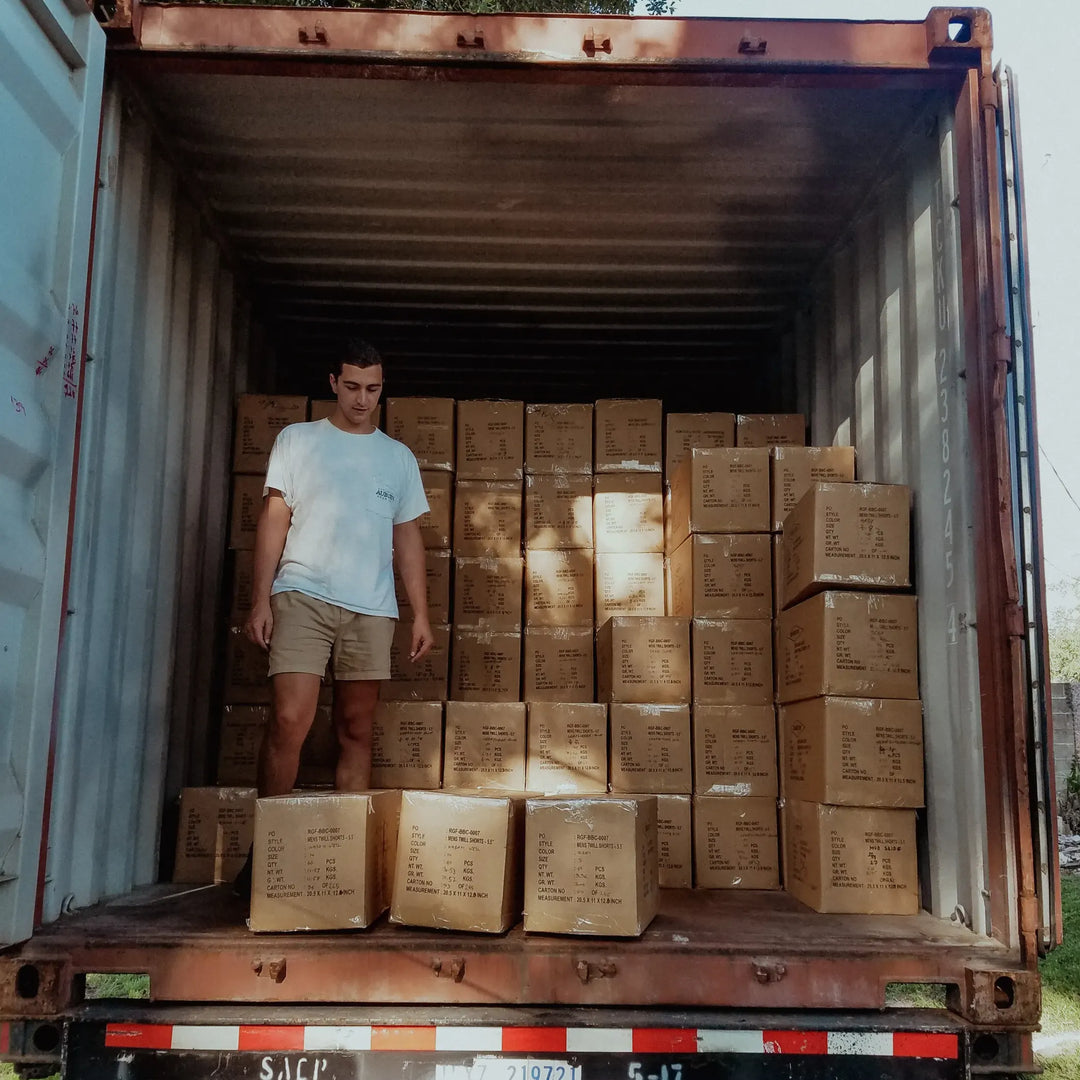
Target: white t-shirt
346 493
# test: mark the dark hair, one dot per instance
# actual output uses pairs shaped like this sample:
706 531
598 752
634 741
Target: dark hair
358 352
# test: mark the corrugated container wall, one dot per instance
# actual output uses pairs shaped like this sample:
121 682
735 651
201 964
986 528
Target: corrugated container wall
879 357
167 345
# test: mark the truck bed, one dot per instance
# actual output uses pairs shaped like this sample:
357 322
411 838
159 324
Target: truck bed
704 949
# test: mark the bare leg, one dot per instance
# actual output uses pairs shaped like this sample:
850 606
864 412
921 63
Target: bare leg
296 696
354 713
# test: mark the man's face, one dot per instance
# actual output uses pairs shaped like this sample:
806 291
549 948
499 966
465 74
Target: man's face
358 390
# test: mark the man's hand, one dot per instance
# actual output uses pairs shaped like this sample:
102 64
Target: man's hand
422 639
260 625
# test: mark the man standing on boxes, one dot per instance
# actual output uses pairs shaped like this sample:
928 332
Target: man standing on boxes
341 503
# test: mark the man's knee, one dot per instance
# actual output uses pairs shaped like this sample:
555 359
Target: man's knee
289 728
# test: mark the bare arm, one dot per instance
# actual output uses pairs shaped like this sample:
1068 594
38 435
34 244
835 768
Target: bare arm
411 564
273 526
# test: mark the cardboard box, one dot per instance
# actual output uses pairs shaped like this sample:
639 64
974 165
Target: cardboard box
490 441
259 418
735 843
770 429
559 438
247 679
487 593
628 512
735 750
487 518
675 841
558 511
214 833
239 739
425 680
629 435
630 583
459 861
558 588
437 562
244 511
721 576
426 427
847 535
407 744
643 660
567 748
795 468
687 430
732 661
591 865
851 860
436 526
718 491
323 861
650 749
243 585
484 745
485 665
559 663
854 751
778 571
848 644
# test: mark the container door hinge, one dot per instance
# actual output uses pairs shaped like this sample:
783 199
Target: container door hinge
587 971
768 971
315 35
752 45
455 970
590 46
475 42
270 969
1015 621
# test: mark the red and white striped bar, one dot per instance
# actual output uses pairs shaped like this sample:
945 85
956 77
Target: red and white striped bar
522 1040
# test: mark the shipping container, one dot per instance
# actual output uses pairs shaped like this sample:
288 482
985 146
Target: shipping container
739 215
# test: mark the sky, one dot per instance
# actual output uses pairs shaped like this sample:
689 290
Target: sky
1035 38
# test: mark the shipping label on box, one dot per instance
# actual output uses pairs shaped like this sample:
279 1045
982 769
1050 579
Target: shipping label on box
851 644
485 665
487 593
437 562
591 864
559 438
629 583
247 503
732 661
459 861
778 571
721 576
847 535
559 664
735 750
323 861
567 748
426 427
650 749
484 747
243 585
629 435
558 587
642 660
407 744
770 429
214 833
687 430
487 517
436 526
247 666
719 491
851 859
795 468
259 418
490 440
628 512
735 843
239 740
854 751
426 679
558 511
675 841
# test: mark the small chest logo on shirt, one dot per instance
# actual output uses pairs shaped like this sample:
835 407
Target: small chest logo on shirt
384 495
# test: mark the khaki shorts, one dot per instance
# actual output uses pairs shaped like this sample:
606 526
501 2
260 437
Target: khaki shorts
308 633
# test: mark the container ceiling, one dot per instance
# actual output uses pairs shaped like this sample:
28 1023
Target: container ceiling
544 237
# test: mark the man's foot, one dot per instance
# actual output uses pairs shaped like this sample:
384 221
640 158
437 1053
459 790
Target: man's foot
242 882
